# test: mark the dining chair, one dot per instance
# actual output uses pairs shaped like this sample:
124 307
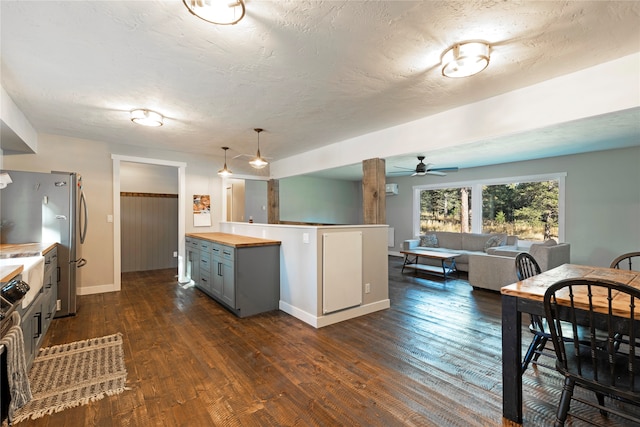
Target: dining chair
626 261
526 266
604 308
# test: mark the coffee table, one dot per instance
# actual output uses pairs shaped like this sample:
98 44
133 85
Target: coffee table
447 261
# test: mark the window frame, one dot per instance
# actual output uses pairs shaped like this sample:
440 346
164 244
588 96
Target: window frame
476 202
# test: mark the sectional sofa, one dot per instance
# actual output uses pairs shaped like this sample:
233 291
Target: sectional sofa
489 259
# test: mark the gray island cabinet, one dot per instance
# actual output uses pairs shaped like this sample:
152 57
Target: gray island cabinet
240 272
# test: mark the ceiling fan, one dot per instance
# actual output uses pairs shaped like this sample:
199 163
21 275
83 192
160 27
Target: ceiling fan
423 169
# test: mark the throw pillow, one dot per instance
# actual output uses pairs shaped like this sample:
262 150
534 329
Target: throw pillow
493 242
550 242
429 241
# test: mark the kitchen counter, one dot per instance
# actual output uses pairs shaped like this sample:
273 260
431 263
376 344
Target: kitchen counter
8 272
20 250
15 251
235 240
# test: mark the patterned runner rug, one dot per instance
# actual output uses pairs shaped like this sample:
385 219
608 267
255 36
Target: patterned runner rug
69 375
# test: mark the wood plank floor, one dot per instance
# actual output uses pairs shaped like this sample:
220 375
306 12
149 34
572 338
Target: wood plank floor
432 359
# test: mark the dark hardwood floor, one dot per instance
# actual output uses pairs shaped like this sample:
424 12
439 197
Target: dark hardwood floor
432 359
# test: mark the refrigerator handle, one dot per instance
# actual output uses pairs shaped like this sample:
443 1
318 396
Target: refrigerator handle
83 206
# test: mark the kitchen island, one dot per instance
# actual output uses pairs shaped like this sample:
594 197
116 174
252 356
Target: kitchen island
328 273
240 272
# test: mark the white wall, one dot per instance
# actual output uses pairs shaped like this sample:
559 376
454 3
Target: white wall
144 178
602 200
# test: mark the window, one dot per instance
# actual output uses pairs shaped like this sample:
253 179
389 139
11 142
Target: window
528 210
530 207
446 209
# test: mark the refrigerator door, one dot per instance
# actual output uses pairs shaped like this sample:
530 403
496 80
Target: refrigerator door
21 207
58 225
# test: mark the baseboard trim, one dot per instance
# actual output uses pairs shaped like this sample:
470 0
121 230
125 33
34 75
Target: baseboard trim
330 319
90 290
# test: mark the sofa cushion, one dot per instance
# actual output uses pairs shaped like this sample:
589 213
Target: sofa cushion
449 240
493 241
429 241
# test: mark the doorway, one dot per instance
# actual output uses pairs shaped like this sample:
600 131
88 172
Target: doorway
178 168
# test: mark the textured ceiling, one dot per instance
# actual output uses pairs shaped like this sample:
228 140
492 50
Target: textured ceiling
311 73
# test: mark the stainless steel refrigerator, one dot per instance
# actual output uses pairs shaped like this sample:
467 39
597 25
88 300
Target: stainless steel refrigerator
48 207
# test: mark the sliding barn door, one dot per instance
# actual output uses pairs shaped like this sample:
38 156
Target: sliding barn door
149 231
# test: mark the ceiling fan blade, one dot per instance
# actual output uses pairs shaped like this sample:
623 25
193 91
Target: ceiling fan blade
434 172
454 169
401 167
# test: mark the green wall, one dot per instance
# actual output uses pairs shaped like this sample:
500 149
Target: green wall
320 200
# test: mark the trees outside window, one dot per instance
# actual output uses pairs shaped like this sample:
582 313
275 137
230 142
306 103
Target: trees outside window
446 209
528 210
528 207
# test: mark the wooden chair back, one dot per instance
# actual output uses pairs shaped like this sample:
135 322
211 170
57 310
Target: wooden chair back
526 266
628 261
603 308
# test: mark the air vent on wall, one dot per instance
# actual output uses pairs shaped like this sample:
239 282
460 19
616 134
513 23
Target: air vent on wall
391 189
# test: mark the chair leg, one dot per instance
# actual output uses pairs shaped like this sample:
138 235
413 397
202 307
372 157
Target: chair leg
531 351
600 397
540 347
565 401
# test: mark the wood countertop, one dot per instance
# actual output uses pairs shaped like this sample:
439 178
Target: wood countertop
19 250
15 251
8 272
235 240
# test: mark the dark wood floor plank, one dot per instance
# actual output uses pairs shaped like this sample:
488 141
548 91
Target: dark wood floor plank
432 359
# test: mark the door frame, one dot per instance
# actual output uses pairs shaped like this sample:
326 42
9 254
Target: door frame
181 166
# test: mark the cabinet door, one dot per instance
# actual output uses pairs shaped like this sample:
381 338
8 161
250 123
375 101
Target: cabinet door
48 298
216 273
228 285
193 264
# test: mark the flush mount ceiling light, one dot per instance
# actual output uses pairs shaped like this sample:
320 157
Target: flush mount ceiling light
258 162
465 59
221 12
146 117
224 172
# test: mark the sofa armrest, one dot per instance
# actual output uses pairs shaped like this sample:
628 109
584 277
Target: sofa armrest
550 256
491 271
410 244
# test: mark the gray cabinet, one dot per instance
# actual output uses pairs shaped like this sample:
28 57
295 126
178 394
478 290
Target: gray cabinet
245 279
193 259
50 288
37 317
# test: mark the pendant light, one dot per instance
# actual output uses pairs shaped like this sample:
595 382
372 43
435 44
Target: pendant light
258 162
225 172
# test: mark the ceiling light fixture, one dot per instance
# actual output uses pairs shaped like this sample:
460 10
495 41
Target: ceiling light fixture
225 172
258 162
146 117
465 59
221 12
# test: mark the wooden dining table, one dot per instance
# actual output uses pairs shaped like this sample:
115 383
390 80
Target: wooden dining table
526 296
